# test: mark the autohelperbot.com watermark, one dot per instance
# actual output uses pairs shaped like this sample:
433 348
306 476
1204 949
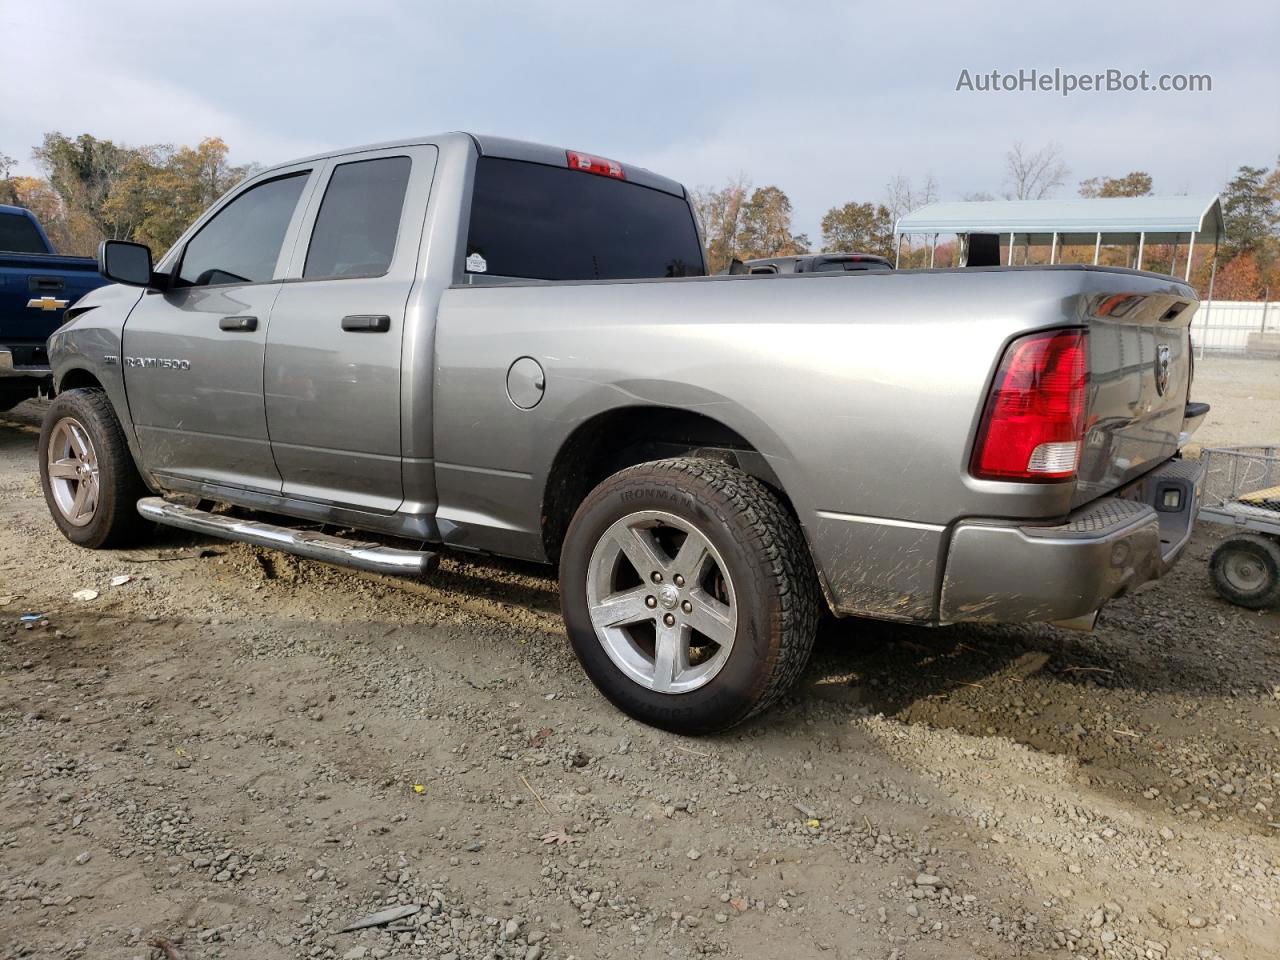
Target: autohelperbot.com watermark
1067 82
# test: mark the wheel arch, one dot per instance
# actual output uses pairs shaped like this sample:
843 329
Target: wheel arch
78 378
625 436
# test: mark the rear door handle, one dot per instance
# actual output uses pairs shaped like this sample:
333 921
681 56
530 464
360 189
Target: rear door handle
238 324
362 323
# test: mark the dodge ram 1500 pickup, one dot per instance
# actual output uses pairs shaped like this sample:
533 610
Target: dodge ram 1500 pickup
473 343
36 286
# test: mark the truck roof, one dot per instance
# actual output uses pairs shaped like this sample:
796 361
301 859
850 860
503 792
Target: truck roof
505 147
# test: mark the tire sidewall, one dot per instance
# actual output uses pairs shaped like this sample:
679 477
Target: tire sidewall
734 691
1267 553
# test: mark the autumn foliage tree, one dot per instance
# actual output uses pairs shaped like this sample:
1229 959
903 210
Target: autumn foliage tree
1135 184
742 223
766 226
1239 279
858 228
720 214
95 189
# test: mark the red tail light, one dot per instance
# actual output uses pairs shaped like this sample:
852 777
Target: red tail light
589 164
1033 425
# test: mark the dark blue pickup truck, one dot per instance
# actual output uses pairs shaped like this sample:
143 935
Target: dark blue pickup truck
36 287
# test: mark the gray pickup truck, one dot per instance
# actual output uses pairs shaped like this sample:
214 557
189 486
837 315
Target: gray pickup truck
478 344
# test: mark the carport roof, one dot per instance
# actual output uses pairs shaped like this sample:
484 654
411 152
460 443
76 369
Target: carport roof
1118 219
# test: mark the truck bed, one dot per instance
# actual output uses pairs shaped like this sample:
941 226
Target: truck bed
880 471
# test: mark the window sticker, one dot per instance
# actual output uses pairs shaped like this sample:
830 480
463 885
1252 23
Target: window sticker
476 264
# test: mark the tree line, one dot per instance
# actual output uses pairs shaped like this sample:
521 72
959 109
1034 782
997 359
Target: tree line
92 189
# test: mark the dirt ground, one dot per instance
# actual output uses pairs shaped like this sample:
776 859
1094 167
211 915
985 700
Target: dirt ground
235 754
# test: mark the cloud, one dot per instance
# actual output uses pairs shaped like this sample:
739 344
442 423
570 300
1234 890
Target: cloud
829 100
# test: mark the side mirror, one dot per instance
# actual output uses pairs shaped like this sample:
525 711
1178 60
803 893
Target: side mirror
126 262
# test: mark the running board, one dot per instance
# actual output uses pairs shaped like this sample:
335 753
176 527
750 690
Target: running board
305 543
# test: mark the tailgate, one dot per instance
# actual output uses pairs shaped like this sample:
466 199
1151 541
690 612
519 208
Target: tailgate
1139 378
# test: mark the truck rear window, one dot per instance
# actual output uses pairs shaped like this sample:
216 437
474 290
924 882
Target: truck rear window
541 222
19 235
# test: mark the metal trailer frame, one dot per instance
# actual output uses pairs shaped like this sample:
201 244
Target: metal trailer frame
1222 505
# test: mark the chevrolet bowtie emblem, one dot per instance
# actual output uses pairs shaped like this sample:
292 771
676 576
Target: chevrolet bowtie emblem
46 303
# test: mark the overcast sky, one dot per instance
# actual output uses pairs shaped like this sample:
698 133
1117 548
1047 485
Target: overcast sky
829 100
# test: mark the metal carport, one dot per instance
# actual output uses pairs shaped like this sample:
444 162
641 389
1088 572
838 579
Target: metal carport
1137 221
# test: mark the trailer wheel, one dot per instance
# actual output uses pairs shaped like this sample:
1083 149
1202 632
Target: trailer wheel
689 594
1246 571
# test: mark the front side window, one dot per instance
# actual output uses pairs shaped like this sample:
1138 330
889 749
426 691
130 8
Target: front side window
359 218
242 242
542 222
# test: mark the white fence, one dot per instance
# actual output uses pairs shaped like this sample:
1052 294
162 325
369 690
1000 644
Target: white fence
1235 326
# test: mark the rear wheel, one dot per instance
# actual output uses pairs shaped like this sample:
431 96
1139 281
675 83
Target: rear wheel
89 479
688 593
1245 570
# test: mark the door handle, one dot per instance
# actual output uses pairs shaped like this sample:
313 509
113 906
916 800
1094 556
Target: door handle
238 324
362 323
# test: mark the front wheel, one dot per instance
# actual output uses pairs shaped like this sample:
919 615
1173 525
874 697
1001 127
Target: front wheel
89 479
1245 570
688 593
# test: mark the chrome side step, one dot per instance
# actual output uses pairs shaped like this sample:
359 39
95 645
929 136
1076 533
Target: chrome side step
305 543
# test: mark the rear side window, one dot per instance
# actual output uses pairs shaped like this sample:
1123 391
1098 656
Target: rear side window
241 244
551 223
355 231
19 235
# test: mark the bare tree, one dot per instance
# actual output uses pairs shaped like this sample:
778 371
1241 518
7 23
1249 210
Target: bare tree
901 197
1034 175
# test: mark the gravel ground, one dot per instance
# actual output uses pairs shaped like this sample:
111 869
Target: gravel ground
235 754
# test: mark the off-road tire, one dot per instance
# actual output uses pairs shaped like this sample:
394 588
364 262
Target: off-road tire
765 552
1259 551
115 522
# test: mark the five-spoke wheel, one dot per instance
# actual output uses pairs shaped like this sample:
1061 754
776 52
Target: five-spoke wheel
688 593
73 471
662 602
90 482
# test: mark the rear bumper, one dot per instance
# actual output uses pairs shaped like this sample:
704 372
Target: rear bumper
996 571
